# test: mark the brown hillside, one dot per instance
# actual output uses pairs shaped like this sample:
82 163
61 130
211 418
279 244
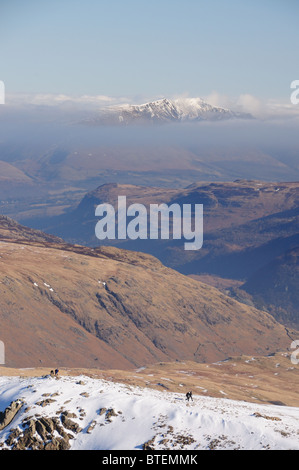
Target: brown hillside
10 230
11 174
54 308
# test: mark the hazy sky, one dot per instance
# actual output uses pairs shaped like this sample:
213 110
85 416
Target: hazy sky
150 48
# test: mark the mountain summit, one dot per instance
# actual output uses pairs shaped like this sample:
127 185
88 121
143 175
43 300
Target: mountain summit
164 111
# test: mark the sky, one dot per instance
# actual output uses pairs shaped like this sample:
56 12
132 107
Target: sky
220 49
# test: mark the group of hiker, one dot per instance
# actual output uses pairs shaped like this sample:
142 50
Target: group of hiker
54 373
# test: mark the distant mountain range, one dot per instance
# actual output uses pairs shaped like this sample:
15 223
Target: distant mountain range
248 226
166 111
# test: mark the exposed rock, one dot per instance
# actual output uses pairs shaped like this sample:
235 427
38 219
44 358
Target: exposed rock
91 427
272 418
43 433
102 411
70 424
57 444
46 402
110 413
9 413
149 445
14 434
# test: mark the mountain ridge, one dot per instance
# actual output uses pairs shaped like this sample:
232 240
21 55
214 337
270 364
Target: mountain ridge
166 110
83 307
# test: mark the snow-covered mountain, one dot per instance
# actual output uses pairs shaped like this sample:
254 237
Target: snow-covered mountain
85 413
165 110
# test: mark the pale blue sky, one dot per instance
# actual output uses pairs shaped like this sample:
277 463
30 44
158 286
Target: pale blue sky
148 48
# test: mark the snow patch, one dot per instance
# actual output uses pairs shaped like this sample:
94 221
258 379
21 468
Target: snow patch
114 416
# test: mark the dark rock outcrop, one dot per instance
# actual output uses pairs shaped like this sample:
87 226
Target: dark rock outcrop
44 433
9 413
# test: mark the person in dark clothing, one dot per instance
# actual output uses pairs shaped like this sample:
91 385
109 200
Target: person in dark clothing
189 396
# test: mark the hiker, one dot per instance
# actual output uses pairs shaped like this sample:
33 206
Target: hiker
56 372
189 396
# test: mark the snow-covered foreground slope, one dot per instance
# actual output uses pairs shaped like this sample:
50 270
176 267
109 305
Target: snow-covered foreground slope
114 416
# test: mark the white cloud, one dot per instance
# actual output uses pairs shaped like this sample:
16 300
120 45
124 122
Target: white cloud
48 99
249 103
218 99
263 109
